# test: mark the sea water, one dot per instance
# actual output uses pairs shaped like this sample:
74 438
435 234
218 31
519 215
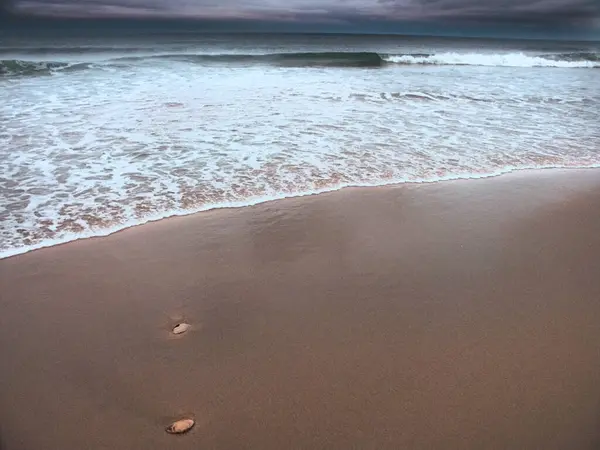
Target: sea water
97 135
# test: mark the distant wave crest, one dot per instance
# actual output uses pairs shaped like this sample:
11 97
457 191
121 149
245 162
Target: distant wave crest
372 59
303 59
568 60
18 67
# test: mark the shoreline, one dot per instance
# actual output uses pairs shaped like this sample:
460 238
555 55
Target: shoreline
527 171
437 316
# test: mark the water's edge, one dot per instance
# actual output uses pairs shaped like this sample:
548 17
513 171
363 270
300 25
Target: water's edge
103 232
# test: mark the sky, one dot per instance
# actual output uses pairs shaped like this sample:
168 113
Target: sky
577 17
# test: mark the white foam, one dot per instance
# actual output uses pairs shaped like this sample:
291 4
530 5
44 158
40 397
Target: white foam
99 152
103 232
489 59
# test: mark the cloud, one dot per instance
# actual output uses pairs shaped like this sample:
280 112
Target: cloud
5 7
543 12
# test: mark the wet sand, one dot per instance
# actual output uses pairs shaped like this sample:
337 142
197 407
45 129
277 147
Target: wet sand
456 315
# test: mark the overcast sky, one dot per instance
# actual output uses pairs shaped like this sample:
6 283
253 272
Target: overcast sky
546 14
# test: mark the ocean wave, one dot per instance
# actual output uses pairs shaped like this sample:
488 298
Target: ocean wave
577 56
301 59
251 201
373 59
17 67
570 60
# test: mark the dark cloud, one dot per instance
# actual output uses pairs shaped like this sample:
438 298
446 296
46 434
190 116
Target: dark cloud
5 8
543 11
540 12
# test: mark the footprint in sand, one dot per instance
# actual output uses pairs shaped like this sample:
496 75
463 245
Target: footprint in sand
180 426
181 328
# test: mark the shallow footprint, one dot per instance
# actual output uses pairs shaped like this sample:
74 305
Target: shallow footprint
181 328
180 426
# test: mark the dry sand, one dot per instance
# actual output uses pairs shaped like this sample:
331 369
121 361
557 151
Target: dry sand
456 315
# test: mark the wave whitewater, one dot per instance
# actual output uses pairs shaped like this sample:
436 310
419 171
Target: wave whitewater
131 222
17 67
570 60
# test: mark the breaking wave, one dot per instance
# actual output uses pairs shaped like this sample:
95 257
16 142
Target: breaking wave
372 59
569 60
17 67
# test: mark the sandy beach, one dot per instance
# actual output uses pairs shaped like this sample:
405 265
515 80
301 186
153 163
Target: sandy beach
451 315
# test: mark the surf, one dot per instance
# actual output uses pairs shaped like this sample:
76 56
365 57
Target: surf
374 59
25 67
571 60
17 67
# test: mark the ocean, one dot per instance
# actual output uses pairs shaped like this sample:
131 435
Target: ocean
100 134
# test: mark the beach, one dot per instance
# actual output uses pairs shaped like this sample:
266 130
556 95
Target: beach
450 315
